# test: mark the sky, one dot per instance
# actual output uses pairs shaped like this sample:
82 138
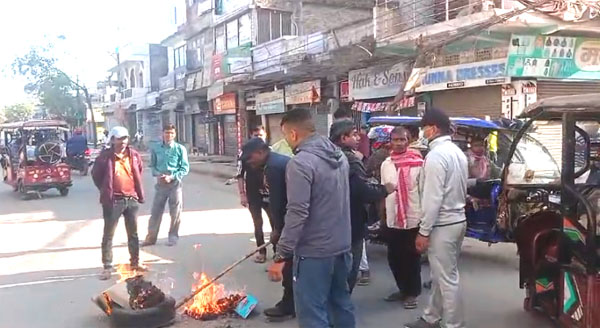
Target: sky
85 34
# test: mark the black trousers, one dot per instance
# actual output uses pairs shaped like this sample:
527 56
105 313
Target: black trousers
404 260
256 206
287 301
128 207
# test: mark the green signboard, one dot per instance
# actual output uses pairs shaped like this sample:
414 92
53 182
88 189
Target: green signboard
557 57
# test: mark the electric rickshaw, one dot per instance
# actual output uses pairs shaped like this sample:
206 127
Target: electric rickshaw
482 205
551 205
32 156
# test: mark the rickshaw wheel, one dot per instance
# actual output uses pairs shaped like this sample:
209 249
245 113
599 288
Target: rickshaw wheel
63 191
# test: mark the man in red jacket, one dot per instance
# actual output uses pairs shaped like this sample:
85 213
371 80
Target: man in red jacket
117 173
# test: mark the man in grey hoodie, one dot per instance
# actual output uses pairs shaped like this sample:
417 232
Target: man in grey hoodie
317 231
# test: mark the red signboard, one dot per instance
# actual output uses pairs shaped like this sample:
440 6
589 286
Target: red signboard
217 67
225 104
345 91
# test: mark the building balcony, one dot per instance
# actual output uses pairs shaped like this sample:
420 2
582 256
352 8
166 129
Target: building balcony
287 52
399 23
167 82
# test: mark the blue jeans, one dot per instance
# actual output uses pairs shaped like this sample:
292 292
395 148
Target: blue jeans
321 285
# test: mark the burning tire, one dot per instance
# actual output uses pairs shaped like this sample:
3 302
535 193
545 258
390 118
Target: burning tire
161 315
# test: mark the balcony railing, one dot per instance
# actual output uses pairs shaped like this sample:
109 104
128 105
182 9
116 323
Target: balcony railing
134 93
275 55
167 82
396 16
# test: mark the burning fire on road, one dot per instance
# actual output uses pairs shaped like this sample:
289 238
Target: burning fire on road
212 302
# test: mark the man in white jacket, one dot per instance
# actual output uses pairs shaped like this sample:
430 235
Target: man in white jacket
443 224
402 171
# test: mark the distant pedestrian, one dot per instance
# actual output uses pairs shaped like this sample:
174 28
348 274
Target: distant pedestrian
256 154
317 230
117 173
443 223
254 195
402 170
343 133
169 163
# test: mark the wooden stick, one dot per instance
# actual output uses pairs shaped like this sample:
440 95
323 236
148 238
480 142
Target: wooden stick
229 268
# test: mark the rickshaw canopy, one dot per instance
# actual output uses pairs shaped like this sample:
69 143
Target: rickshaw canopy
467 122
553 108
35 125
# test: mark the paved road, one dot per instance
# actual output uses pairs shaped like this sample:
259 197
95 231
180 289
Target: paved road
50 258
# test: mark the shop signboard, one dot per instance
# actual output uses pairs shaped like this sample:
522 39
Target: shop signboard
225 104
270 103
489 72
377 82
345 91
239 60
556 57
218 67
303 93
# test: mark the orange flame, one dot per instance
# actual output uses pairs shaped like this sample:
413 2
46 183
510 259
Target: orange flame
210 301
125 272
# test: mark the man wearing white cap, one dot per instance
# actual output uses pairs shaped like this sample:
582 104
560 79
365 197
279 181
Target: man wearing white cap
117 173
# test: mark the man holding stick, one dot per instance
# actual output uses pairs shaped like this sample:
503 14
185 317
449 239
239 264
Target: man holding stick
257 154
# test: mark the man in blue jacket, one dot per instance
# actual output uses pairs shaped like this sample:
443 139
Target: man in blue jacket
317 232
257 154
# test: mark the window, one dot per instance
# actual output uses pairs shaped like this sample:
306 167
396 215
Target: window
132 78
232 34
273 25
141 80
180 57
245 26
220 39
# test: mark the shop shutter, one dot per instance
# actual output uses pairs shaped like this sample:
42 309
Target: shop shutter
230 134
473 102
550 135
200 140
548 89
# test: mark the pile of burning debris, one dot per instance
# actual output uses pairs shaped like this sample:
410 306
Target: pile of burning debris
135 299
213 301
136 302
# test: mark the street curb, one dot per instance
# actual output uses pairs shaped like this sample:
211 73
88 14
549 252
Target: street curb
217 170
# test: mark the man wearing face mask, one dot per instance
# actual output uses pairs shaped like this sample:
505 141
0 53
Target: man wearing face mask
443 222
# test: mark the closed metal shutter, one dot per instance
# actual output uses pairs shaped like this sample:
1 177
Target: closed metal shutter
200 140
473 102
549 134
548 89
230 135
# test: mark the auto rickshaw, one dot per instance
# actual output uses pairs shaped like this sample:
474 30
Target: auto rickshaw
482 205
32 156
553 209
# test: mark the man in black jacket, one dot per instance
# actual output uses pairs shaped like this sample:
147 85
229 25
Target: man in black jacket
258 155
344 134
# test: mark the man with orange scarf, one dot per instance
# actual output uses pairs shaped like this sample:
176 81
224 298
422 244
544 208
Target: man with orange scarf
403 212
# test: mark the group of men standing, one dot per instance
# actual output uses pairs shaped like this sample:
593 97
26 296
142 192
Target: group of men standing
316 201
117 173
